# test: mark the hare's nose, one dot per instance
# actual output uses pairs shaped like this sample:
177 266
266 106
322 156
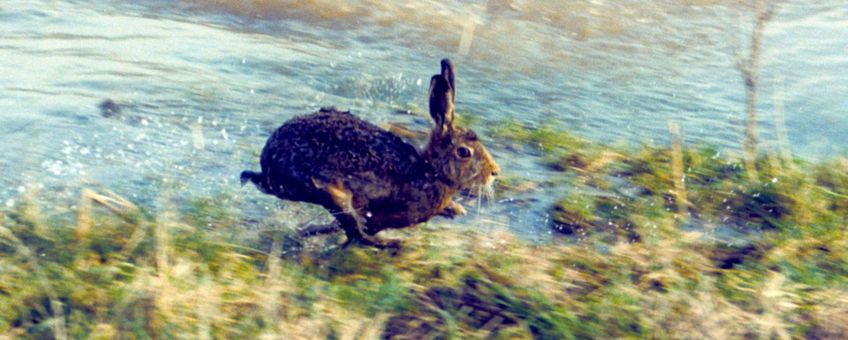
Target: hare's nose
494 173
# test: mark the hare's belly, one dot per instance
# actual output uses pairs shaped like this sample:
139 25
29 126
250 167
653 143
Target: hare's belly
394 214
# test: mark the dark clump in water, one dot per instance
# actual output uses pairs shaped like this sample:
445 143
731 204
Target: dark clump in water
109 108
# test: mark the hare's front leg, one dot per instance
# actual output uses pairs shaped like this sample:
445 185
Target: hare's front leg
452 210
349 218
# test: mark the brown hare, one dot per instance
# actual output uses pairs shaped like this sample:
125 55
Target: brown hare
369 178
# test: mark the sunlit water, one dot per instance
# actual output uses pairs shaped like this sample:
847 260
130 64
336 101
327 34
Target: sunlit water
202 84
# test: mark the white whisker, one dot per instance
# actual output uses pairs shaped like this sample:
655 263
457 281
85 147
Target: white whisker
479 198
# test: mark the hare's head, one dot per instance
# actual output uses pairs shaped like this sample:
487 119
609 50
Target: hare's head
456 152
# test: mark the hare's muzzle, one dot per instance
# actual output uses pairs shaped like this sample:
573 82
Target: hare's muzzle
495 168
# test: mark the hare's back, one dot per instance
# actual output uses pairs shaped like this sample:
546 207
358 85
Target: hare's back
332 144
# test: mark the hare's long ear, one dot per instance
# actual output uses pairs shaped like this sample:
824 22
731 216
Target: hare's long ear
442 93
447 72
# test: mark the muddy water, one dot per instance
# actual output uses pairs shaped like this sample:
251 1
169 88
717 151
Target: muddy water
200 84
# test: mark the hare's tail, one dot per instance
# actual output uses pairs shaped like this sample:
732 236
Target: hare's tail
257 178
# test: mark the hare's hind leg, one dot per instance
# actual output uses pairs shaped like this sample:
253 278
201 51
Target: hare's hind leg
348 218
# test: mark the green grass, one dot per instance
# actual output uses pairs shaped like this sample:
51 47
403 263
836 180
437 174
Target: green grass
642 270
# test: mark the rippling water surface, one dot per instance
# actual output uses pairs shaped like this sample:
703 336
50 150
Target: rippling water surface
201 84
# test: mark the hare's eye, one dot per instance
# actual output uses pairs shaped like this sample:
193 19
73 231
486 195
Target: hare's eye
464 152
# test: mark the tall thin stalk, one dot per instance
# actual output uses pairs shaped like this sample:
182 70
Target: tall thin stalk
750 70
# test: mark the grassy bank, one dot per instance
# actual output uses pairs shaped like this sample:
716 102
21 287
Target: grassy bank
651 260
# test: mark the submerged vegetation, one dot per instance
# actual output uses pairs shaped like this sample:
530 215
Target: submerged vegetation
726 255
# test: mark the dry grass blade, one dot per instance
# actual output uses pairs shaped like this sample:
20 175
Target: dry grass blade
273 285
677 175
112 201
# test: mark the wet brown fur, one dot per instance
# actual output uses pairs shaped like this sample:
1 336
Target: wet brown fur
369 178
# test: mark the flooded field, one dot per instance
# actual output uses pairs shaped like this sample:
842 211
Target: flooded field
625 205
198 86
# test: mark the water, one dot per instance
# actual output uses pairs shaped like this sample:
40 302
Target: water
202 84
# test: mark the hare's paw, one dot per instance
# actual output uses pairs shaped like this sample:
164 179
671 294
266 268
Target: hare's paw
392 246
452 210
